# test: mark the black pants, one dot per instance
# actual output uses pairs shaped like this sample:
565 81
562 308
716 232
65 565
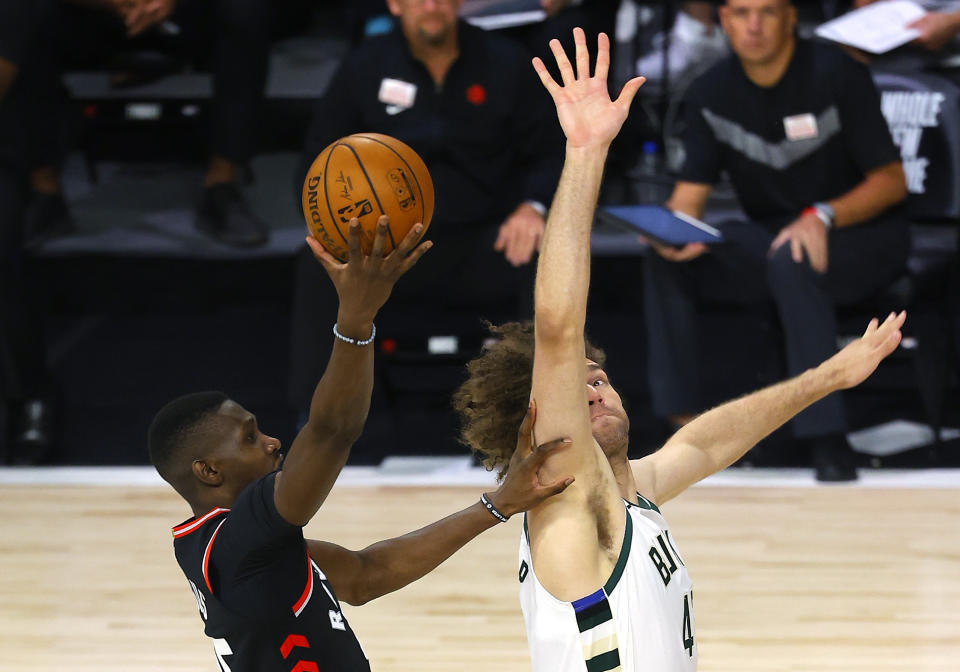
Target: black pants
233 35
23 373
862 260
460 274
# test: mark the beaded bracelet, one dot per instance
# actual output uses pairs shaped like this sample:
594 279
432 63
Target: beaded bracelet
354 341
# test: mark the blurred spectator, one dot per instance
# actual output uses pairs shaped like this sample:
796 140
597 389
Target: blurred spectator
695 43
237 35
797 127
469 105
25 388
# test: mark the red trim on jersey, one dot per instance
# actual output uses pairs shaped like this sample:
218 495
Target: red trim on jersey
305 666
192 525
307 592
206 555
292 642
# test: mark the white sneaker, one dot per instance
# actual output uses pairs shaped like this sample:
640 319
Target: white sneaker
692 49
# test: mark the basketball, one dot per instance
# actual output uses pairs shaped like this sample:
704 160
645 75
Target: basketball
366 175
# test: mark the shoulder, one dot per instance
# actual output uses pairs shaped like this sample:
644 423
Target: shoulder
828 61
495 46
374 51
714 85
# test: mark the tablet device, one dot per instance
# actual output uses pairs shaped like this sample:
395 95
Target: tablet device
661 225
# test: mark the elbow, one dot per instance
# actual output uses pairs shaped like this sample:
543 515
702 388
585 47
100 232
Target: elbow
339 436
897 188
556 327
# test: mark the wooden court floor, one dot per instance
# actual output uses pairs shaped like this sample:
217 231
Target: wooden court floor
805 579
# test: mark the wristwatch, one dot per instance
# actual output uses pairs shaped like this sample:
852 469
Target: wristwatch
825 213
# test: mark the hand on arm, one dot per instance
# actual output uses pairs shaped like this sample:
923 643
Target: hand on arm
721 436
520 235
880 189
806 234
936 29
361 576
341 400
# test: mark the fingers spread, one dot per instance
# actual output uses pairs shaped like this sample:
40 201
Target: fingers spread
527 425
412 258
353 240
380 238
544 450
582 54
566 70
410 240
629 91
603 56
545 77
557 487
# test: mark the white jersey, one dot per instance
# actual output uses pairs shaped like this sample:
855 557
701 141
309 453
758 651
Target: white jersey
640 621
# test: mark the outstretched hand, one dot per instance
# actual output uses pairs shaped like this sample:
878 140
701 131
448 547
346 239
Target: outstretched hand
522 490
365 281
854 364
587 115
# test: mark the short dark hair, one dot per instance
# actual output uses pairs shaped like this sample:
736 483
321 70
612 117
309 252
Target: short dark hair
172 426
492 402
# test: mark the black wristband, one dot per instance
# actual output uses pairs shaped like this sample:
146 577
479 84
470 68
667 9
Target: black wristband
492 509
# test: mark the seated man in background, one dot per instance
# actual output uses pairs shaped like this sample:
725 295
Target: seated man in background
236 36
797 126
458 97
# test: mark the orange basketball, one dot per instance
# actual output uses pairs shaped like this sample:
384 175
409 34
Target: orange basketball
366 175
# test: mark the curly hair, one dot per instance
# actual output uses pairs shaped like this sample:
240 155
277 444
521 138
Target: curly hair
493 400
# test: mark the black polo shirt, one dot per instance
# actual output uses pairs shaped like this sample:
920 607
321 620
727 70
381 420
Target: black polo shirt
811 137
489 134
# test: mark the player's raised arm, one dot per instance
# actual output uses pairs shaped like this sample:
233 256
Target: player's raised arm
721 436
341 400
564 531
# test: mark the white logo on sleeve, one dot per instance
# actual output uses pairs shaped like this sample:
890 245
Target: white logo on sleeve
201 602
336 620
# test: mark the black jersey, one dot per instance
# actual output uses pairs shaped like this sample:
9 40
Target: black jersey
265 604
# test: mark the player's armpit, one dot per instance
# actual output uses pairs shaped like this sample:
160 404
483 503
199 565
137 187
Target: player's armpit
342 567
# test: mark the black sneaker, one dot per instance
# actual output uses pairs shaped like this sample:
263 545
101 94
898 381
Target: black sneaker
225 216
833 460
46 217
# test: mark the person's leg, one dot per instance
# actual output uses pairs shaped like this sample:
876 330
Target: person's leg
670 317
235 35
806 311
240 61
866 258
810 330
732 273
